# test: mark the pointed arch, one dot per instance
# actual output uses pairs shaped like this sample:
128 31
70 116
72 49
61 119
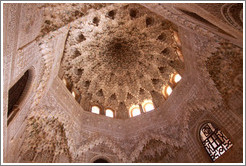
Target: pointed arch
18 93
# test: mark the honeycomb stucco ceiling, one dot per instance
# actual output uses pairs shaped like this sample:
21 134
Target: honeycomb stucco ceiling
119 55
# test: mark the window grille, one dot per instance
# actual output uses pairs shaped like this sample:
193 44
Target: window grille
214 141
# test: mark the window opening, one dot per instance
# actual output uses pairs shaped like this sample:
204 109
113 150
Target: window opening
73 93
135 111
15 95
148 106
214 141
64 81
167 90
95 110
109 113
177 78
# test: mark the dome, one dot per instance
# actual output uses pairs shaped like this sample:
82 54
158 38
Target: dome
120 55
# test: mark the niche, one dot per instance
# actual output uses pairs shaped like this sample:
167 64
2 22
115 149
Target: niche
111 14
149 21
133 13
96 21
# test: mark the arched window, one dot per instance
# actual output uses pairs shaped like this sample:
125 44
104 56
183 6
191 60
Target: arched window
73 93
181 57
176 38
135 110
167 90
175 78
95 109
109 113
76 95
148 106
67 83
16 94
214 141
64 81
